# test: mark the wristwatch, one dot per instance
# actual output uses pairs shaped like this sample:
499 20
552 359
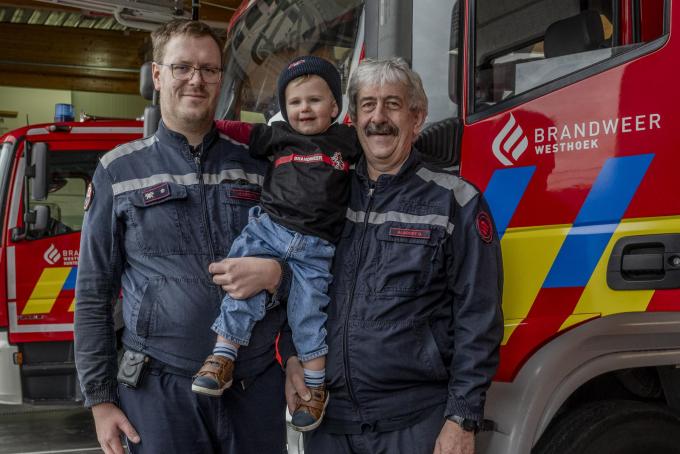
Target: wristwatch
468 425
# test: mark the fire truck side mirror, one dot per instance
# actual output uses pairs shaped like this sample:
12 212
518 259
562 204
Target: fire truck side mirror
146 88
152 113
36 224
38 171
455 65
39 219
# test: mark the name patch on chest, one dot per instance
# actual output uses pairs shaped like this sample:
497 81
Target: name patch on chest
156 193
423 234
244 194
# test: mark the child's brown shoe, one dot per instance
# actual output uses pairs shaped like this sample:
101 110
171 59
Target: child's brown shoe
214 377
308 415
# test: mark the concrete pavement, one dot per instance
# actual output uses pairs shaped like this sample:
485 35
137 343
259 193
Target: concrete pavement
28 429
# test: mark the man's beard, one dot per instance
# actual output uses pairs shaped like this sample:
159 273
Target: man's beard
188 118
195 119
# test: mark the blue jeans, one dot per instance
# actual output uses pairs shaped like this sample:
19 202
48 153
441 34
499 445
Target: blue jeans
309 258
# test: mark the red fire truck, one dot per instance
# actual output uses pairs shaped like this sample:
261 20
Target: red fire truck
44 173
562 112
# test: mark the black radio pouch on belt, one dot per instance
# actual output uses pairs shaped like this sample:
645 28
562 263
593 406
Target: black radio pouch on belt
131 368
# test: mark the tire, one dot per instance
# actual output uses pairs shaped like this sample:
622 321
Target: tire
613 427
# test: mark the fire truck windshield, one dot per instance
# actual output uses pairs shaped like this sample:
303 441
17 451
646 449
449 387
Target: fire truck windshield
267 36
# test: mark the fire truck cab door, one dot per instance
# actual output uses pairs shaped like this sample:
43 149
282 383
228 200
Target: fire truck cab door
44 245
573 150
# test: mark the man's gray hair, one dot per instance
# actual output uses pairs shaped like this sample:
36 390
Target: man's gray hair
380 72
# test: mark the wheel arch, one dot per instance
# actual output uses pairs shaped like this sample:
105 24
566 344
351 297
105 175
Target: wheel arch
523 408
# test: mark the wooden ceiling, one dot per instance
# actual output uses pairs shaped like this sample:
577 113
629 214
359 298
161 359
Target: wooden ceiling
48 45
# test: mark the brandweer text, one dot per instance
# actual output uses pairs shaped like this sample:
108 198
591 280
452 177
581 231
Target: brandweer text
585 135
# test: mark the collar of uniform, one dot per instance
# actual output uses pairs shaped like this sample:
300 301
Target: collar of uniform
175 139
386 179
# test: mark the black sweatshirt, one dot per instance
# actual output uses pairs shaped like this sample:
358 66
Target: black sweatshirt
306 188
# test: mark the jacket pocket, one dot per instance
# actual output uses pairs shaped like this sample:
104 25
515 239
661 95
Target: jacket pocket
431 353
335 372
235 202
146 311
408 355
178 310
344 261
407 254
159 218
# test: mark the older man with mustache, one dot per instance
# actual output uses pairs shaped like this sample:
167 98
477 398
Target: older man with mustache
415 322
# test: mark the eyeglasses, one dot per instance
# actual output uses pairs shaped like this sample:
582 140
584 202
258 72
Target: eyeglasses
209 74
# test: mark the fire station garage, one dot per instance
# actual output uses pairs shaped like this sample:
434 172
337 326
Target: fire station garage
561 116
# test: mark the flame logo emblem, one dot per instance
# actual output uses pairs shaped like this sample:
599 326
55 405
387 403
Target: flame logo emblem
52 255
510 143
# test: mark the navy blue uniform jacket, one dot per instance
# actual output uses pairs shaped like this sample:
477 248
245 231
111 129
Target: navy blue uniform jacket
415 315
160 213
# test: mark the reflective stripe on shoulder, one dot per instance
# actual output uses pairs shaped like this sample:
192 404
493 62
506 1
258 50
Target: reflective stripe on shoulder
186 180
462 191
235 142
126 149
396 216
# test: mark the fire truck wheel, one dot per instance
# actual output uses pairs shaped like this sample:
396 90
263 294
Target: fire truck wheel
613 427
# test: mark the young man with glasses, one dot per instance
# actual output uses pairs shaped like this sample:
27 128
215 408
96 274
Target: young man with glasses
159 211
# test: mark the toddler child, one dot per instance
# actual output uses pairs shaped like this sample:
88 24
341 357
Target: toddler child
301 215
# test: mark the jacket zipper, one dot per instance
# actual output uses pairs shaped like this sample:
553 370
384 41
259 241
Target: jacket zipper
351 300
204 203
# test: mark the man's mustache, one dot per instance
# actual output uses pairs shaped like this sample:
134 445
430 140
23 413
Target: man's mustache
195 93
381 129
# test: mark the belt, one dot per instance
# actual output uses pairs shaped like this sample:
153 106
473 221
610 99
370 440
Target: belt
336 426
161 367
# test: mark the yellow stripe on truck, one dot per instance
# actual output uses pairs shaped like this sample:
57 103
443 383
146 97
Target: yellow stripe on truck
528 255
46 290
